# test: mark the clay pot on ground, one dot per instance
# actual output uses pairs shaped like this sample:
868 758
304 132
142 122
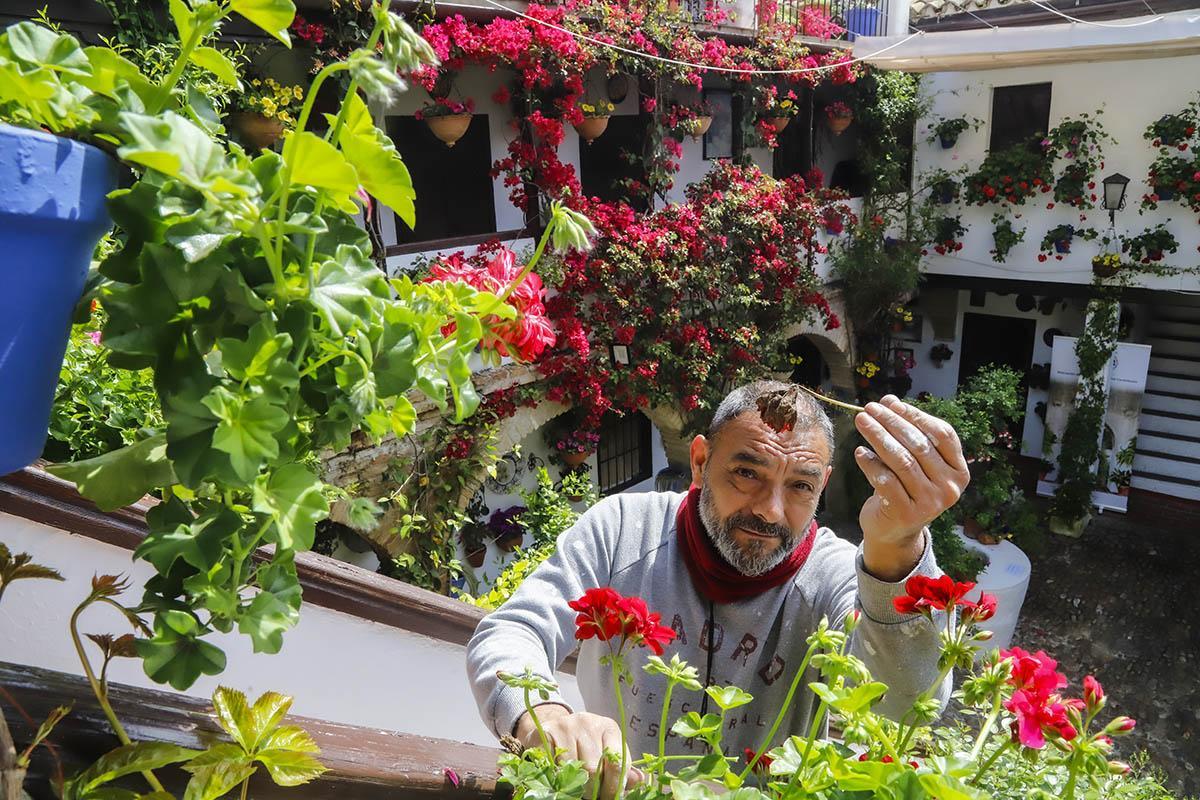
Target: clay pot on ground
450 127
591 128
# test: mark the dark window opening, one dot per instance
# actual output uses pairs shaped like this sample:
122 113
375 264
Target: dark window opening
794 155
624 457
808 365
989 339
614 156
453 184
1020 114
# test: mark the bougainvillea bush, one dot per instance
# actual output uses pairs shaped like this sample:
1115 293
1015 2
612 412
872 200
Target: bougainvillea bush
1025 713
701 293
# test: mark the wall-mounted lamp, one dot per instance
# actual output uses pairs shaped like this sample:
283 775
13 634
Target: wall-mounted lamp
1114 195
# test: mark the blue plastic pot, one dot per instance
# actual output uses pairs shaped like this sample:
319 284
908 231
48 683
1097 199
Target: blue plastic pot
948 141
52 214
1165 193
862 22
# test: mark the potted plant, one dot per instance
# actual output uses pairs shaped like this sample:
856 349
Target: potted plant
1106 265
947 131
777 111
940 353
474 542
447 119
1151 244
901 317
265 111
945 190
1004 236
947 231
575 447
1172 130
866 371
839 115
506 528
833 220
695 118
577 484
1057 241
1124 473
595 119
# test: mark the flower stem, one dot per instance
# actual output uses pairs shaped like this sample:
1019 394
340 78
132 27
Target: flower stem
537 723
783 710
621 720
245 788
537 256
829 400
101 695
985 730
1072 776
662 725
812 732
991 760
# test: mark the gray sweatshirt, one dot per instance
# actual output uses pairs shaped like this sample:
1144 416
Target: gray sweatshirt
628 542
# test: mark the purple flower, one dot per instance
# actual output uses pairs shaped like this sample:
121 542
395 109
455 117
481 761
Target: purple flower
503 523
94 336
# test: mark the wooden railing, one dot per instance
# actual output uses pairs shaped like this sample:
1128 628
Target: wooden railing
363 763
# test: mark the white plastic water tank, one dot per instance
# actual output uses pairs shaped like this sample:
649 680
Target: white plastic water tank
1007 577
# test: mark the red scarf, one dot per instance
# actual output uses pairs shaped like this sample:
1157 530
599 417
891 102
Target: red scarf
712 575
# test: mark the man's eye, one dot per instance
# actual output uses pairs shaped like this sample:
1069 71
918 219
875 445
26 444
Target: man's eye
746 473
803 487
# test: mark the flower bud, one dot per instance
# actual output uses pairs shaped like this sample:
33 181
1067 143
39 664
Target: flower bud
1120 725
851 621
1093 694
1118 768
982 636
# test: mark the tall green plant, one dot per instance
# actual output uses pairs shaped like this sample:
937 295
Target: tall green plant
246 285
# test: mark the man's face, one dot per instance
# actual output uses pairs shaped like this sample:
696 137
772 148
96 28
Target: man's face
758 489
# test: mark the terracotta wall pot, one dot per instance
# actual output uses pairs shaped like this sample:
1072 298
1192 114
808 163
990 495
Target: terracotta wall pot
575 459
475 557
449 128
255 129
839 124
591 128
778 123
510 543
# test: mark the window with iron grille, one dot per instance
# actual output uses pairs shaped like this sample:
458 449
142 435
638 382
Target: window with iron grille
623 457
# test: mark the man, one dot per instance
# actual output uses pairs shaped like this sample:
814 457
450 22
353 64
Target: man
742 573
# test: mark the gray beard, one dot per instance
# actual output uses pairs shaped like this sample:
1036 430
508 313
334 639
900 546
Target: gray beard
754 558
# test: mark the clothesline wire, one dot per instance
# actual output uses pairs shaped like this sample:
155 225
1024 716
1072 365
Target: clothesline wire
1053 10
703 67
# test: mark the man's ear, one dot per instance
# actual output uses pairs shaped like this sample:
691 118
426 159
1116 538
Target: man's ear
828 473
699 454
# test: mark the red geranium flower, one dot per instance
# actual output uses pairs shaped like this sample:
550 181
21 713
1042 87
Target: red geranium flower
605 614
925 594
980 611
1039 715
763 764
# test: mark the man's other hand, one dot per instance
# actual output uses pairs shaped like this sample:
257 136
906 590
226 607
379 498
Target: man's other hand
582 737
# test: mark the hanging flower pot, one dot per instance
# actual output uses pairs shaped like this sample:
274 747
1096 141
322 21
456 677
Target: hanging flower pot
52 214
476 557
701 125
1062 245
948 140
617 87
778 123
256 129
590 128
575 459
840 116
863 382
449 128
1164 193
1106 265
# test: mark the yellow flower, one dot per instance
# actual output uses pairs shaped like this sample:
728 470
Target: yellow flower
268 106
271 82
296 90
256 82
285 117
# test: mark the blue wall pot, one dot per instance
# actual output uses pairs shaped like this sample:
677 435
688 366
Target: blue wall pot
52 214
862 22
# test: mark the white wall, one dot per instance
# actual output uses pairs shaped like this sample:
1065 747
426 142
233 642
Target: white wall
1133 94
337 667
943 381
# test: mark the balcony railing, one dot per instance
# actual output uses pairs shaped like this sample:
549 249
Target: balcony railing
858 17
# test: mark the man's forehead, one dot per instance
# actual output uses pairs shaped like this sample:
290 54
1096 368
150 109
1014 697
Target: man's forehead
747 439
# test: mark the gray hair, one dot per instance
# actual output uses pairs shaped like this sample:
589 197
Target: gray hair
809 411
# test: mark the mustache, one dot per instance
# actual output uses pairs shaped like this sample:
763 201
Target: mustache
752 523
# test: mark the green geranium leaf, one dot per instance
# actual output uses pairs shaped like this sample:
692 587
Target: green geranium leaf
395 370
291 496
402 416
125 760
218 64
109 68
273 16
246 430
178 658
692 725
41 47
378 164
713 767
466 397
200 543
728 697
315 162
362 514
343 290
178 148
691 791
262 359
275 609
122 476
861 697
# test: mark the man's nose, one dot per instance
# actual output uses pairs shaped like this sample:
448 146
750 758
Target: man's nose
769 505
